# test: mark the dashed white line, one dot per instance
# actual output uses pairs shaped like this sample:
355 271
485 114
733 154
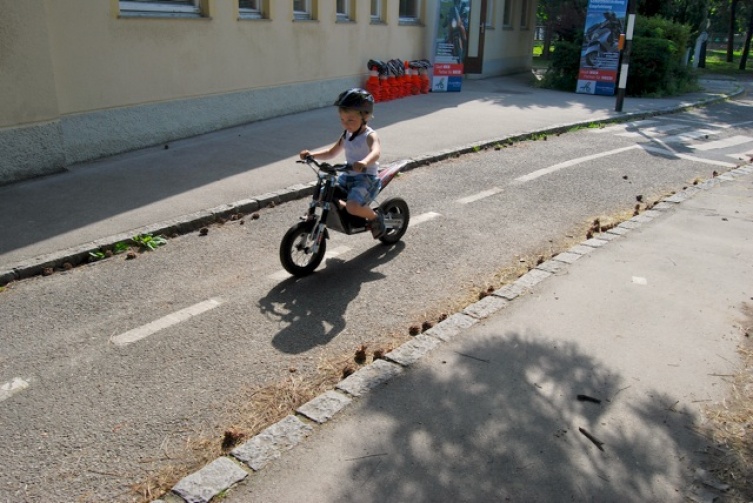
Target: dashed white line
165 322
481 195
573 162
9 389
424 217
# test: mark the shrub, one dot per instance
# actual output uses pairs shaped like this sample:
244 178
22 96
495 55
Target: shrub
563 70
656 61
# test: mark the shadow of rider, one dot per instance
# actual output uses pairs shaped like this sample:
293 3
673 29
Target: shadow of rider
311 310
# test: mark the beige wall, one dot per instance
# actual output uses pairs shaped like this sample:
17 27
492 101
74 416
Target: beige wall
102 60
79 81
27 85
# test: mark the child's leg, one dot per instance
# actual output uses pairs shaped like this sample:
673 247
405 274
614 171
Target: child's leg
354 208
362 190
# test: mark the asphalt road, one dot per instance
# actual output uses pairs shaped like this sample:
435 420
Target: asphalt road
128 364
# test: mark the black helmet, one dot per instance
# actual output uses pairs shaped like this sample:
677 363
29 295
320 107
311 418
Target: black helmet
357 99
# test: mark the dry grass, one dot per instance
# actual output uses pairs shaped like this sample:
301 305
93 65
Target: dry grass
731 427
253 410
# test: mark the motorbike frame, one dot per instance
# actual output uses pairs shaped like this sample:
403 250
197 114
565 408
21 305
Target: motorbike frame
330 199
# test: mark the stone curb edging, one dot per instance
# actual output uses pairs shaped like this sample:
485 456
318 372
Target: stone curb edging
227 471
185 224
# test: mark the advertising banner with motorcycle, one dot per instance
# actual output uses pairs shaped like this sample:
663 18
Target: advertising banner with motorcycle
600 55
450 45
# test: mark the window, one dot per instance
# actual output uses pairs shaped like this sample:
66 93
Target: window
344 10
158 8
376 11
490 14
250 9
302 9
410 11
507 17
524 15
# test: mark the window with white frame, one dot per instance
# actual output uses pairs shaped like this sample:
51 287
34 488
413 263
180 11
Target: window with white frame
344 10
490 14
524 14
167 8
302 9
250 9
507 17
410 11
376 11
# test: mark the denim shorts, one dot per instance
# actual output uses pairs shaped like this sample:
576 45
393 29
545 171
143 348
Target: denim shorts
361 188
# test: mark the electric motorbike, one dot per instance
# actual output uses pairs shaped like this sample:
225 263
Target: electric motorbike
305 243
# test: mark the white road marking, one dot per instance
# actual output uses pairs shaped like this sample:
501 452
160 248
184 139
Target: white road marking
424 217
551 169
283 274
738 124
742 156
690 135
718 125
9 389
652 131
481 195
623 126
167 321
638 280
672 153
724 143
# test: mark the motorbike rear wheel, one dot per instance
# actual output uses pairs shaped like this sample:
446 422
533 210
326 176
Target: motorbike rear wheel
394 209
296 250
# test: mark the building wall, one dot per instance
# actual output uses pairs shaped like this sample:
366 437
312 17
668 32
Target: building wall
80 81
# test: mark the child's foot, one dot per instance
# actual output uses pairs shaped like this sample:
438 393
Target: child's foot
377 225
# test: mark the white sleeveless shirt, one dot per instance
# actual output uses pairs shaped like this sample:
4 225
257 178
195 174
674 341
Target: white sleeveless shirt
358 148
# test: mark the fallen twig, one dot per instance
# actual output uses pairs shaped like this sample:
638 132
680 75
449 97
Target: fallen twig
598 443
473 357
586 398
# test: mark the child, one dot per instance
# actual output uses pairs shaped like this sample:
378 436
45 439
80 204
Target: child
362 150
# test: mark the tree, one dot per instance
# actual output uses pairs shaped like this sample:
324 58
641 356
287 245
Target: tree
561 18
746 48
731 31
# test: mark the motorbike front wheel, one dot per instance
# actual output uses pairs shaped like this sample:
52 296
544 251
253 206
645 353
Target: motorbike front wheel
396 216
296 252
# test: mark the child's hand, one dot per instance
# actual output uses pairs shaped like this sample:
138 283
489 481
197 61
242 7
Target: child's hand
304 154
359 167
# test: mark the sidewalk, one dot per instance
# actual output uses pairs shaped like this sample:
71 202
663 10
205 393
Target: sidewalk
625 337
184 185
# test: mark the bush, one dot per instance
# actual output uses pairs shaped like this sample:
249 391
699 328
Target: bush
563 70
656 61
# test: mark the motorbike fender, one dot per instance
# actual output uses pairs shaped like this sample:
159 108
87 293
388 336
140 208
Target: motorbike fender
387 173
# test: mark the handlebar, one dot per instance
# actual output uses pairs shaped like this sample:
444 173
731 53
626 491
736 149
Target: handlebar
324 166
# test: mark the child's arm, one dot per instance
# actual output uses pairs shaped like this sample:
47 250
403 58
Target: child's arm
325 153
375 151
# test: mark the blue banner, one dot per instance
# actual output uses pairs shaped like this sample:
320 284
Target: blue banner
600 54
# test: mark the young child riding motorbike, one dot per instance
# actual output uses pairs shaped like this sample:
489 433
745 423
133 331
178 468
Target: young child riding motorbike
362 150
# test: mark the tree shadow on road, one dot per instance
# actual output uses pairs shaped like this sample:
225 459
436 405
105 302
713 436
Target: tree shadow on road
312 310
499 420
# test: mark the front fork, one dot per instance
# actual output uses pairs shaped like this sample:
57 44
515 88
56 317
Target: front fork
319 228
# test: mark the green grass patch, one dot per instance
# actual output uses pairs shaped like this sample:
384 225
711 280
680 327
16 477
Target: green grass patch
716 63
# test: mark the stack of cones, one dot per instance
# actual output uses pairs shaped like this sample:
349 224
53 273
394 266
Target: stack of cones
397 79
